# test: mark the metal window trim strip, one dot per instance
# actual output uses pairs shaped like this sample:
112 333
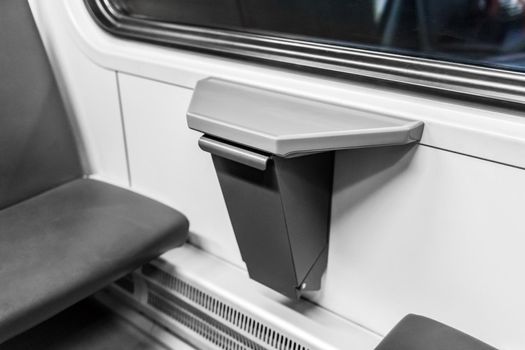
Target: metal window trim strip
454 78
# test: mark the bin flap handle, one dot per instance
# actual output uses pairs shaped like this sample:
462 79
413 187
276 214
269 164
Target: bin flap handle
234 153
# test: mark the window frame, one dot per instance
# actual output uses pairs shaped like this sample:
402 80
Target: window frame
330 60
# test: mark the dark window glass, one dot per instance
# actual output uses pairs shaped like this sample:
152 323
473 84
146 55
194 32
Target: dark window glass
485 32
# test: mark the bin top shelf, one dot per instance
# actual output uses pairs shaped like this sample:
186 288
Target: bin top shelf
288 125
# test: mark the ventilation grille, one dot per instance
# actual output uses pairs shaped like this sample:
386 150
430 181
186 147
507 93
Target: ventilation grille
126 283
230 315
215 335
154 290
218 323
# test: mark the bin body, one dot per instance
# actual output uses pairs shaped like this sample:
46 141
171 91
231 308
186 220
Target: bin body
281 218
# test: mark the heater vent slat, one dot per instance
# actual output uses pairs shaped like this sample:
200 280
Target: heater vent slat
197 325
218 301
208 327
126 283
180 304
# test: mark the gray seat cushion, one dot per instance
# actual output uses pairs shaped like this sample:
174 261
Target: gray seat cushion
61 246
416 332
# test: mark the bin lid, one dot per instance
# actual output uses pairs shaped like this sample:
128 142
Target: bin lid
288 125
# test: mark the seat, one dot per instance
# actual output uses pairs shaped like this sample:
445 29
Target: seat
62 236
67 243
416 332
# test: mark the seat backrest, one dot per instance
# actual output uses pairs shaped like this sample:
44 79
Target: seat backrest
37 147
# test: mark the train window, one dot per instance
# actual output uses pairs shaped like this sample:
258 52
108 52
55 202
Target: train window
436 42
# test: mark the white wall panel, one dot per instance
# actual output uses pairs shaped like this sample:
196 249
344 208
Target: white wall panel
167 164
414 229
91 95
420 230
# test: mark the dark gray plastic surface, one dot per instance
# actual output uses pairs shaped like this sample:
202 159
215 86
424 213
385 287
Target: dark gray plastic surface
287 125
281 218
416 332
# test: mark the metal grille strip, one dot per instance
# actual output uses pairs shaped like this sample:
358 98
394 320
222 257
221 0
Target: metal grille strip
205 330
215 321
228 314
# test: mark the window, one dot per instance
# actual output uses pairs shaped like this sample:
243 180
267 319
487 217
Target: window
434 43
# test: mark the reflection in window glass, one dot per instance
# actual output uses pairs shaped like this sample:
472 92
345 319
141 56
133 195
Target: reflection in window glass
485 32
